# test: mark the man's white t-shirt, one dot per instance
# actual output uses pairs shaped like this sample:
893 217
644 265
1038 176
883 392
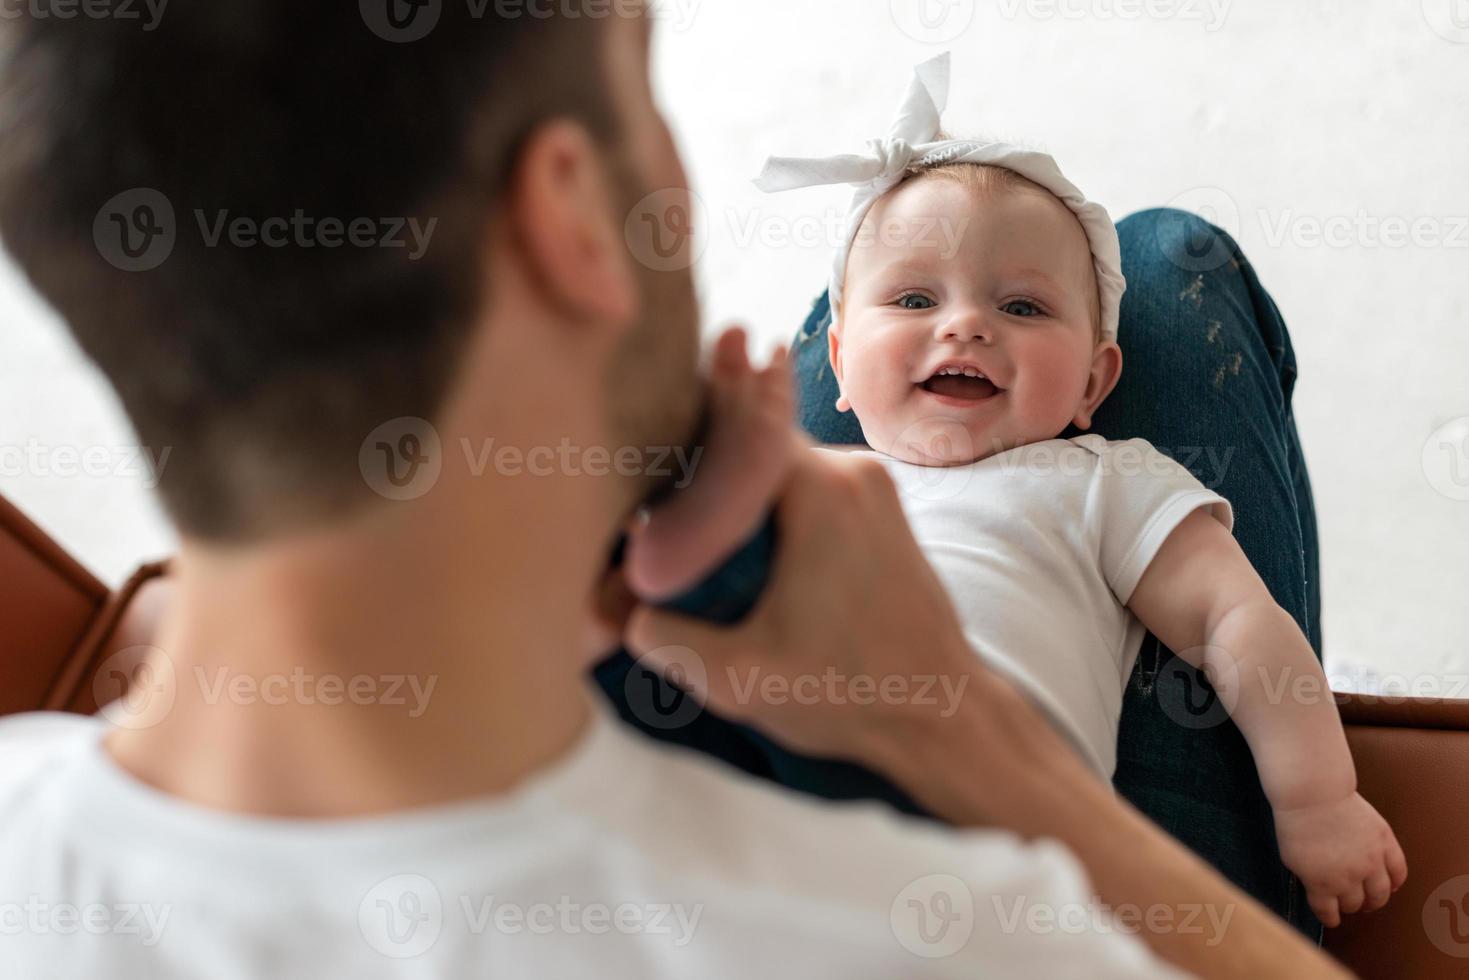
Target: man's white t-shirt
1040 548
625 859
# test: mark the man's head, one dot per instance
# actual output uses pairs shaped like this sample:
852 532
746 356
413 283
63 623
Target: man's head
355 222
955 346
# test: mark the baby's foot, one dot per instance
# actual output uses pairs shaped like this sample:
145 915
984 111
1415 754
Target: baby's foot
748 450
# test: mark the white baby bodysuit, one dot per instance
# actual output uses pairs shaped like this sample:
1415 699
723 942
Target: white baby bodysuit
1040 548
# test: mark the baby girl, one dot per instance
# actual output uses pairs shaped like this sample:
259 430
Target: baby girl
964 356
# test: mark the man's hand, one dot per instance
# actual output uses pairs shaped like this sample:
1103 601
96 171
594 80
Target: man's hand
852 624
1344 853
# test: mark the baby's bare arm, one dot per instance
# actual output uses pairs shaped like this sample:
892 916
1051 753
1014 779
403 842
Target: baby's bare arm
1204 600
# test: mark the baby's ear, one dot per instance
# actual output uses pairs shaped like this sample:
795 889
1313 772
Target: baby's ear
834 355
1105 372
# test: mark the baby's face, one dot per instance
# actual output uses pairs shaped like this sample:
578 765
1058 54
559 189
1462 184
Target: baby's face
1001 286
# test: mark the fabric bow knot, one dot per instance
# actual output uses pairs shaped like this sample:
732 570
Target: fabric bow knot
913 144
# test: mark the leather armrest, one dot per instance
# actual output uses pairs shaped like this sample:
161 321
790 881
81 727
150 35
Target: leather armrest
47 604
1412 758
115 644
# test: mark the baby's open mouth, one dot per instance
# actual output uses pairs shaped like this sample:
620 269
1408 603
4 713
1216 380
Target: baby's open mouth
964 383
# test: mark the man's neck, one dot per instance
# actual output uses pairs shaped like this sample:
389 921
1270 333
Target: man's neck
378 666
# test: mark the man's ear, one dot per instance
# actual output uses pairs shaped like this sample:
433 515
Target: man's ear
1106 370
834 354
562 206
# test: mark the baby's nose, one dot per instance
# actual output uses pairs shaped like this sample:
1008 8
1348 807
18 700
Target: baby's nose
964 326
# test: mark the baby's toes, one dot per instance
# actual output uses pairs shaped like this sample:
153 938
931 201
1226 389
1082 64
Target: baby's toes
1326 909
730 354
1352 898
1379 889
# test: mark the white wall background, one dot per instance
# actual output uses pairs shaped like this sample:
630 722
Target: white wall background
1274 118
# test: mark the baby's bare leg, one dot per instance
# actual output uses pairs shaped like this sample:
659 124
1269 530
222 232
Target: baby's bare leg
747 455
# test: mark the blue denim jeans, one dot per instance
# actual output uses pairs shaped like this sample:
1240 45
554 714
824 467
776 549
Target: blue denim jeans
1207 378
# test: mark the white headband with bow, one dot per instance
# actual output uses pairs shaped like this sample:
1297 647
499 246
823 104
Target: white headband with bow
911 144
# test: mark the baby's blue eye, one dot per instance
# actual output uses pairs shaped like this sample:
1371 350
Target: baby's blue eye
1036 310
916 301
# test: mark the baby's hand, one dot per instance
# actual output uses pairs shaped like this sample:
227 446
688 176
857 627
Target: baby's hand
747 457
1344 853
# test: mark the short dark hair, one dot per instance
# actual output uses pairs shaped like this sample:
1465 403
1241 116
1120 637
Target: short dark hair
265 367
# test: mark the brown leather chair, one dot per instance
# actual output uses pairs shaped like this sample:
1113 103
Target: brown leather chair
64 639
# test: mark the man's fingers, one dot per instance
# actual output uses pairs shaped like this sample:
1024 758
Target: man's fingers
649 630
699 657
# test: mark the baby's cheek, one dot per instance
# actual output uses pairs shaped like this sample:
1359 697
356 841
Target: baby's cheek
1053 390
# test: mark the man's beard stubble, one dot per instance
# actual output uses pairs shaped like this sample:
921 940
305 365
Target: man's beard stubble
657 394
